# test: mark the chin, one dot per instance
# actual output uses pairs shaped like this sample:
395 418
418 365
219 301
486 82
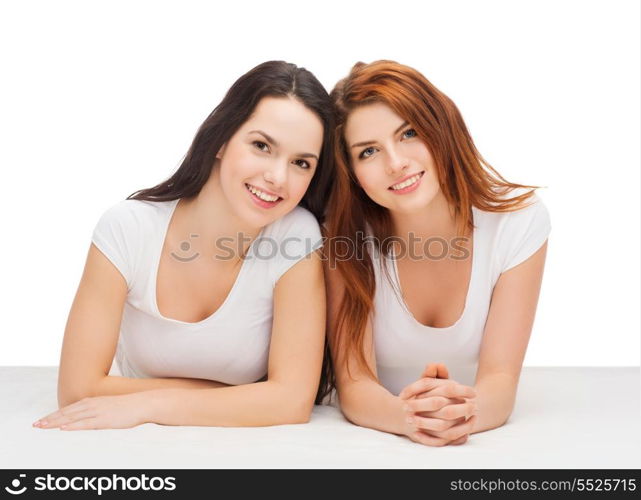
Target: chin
256 218
411 206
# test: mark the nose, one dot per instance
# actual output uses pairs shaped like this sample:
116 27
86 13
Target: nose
276 175
396 162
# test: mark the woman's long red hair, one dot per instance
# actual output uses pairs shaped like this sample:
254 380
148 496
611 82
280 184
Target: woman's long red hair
465 179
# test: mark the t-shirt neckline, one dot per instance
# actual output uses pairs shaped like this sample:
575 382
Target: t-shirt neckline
154 281
397 284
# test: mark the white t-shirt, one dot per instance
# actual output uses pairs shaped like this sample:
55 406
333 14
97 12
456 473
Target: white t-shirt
231 345
403 346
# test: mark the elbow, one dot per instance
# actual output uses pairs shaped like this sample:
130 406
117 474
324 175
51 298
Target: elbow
66 398
67 394
301 418
504 416
300 413
349 408
352 415
499 423
504 420
349 404
70 393
292 418
295 408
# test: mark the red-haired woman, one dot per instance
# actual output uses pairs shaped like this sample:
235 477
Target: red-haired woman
434 265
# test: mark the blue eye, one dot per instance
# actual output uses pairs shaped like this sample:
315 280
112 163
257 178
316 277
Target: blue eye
367 152
260 144
305 165
409 133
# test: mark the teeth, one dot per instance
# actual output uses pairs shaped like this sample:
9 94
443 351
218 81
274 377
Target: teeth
406 183
260 194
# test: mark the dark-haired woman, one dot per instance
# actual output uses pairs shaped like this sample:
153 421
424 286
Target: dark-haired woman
432 307
208 288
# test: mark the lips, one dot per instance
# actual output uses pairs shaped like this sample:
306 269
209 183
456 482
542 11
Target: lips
406 181
262 199
263 194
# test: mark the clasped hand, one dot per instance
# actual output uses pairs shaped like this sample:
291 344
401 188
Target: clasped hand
439 411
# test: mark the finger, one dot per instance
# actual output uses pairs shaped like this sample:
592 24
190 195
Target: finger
452 401
66 418
453 390
84 424
452 412
442 371
430 404
456 431
460 440
435 425
422 385
426 439
53 419
430 371
435 370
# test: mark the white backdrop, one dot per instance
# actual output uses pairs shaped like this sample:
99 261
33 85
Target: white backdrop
101 99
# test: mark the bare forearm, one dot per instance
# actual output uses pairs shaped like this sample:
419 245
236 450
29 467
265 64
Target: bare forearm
258 404
368 404
495 396
115 385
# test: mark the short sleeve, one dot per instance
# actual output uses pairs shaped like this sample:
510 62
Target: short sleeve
115 235
296 235
524 232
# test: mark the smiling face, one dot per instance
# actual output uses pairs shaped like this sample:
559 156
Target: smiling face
392 165
268 164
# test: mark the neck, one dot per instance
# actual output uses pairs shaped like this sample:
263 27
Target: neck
435 220
209 215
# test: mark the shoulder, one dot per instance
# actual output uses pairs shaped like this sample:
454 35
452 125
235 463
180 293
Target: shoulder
124 231
533 210
124 211
132 215
291 238
119 235
517 234
298 223
534 214
118 218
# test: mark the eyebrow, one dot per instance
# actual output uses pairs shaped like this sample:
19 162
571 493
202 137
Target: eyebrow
274 143
366 143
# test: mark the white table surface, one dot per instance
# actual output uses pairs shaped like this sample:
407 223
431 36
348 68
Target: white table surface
563 418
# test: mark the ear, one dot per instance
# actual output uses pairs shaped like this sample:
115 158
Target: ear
221 151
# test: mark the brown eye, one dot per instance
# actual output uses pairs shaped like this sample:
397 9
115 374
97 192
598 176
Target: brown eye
261 146
303 164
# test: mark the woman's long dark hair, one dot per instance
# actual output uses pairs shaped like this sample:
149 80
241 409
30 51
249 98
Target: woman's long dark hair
269 79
